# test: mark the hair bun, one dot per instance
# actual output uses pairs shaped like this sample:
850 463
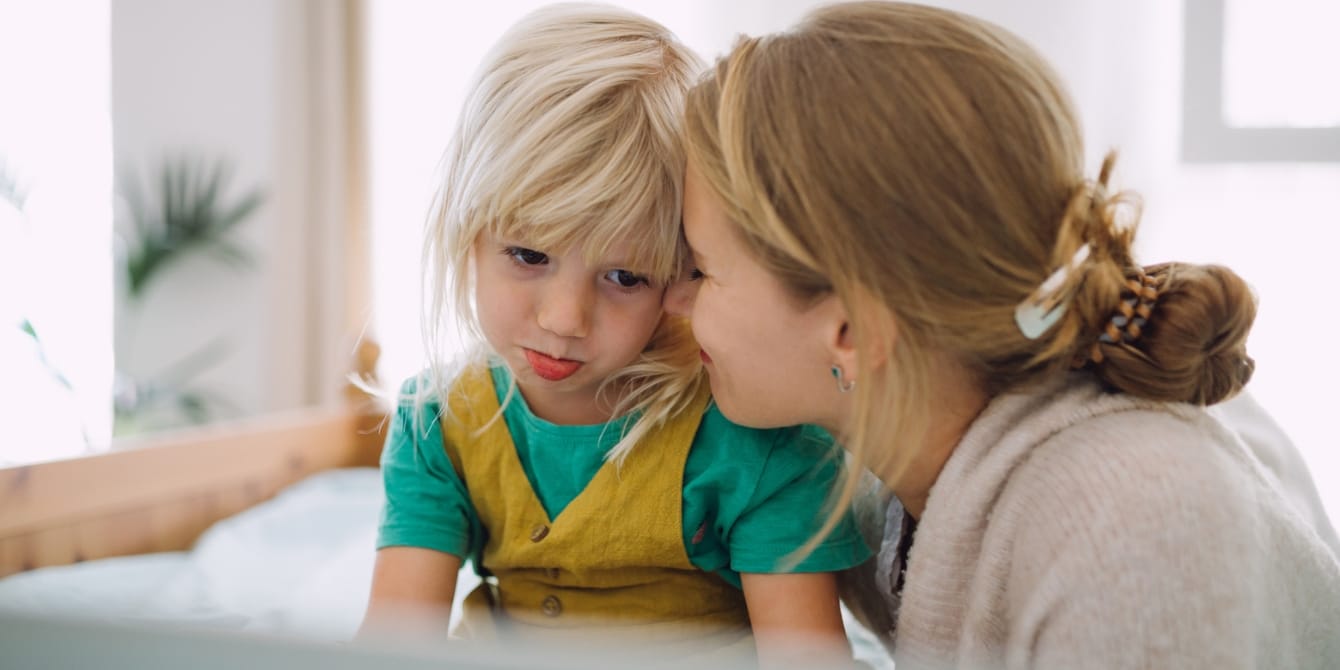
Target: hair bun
1194 347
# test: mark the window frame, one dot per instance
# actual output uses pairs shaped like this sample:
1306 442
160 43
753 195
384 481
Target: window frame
1206 137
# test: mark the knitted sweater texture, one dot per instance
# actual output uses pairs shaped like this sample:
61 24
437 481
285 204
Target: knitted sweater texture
1076 528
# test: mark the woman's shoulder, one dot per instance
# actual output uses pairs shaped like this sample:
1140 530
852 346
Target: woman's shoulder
1142 449
1074 431
1152 501
1180 466
1138 476
1062 458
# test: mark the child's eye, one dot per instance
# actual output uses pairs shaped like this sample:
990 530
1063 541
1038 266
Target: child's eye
626 279
526 256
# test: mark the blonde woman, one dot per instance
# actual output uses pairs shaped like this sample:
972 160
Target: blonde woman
576 458
894 238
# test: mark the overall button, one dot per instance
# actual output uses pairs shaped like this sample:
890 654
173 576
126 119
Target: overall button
551 606
539 532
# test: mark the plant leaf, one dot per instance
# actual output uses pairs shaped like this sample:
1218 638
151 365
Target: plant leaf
249 204
196 362
192 215
194 407
231 254
10 189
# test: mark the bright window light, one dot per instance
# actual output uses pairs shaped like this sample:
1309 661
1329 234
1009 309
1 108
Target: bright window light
1279 63
55 240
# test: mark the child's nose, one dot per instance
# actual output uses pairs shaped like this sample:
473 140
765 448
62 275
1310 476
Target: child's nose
679 297
566 310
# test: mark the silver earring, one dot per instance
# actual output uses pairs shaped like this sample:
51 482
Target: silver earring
843 387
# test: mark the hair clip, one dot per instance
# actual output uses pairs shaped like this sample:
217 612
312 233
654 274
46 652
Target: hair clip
1041 310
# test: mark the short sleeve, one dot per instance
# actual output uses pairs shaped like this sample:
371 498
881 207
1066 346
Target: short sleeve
427 504
789 504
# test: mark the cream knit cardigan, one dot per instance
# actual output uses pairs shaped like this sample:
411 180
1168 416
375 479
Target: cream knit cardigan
1073 528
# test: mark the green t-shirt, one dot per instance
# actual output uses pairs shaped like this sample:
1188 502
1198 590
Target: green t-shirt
751 497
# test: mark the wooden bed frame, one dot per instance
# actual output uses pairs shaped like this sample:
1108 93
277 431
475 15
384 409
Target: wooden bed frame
160 493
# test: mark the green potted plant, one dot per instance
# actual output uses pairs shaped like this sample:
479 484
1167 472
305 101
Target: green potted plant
184 212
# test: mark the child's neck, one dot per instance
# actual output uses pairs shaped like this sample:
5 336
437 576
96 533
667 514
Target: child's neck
579 414
570 409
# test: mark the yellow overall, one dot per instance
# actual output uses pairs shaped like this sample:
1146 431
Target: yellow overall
614 558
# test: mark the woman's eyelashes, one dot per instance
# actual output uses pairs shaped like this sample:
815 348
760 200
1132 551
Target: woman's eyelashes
695 274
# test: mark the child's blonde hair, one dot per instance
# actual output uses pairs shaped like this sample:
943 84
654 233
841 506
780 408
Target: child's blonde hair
571 137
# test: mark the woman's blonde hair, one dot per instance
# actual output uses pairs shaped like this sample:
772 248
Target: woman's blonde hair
930 163
571 138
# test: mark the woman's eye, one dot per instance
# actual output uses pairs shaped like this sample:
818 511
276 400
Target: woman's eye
526 256
626 279
695 274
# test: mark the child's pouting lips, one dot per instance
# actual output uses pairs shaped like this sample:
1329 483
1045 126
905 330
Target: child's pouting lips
550 368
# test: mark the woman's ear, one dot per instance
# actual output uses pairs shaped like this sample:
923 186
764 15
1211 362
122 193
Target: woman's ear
851 337
842 347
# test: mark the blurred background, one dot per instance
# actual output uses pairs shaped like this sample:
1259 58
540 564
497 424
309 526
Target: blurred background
204 205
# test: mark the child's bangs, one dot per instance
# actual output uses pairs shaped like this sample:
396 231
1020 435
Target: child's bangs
619 207
638 227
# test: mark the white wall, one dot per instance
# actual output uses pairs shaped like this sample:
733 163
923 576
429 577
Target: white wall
233 80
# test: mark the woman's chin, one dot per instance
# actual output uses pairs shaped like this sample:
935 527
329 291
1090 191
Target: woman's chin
744 409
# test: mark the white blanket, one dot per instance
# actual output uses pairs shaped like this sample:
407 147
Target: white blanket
299 564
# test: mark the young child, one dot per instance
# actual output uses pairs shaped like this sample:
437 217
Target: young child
577 458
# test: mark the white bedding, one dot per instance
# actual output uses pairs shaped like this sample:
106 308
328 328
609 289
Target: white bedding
298 566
